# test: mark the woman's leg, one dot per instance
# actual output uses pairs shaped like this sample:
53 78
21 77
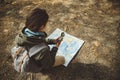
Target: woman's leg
59 60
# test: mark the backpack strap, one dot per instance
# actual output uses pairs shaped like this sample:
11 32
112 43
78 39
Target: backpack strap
21 61
17 52
36 49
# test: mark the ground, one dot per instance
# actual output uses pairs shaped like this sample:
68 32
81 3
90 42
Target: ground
97 22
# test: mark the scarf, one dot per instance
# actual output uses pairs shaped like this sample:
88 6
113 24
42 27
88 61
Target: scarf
30 33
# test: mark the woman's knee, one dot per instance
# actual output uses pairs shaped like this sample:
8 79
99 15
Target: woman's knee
59 60
62 59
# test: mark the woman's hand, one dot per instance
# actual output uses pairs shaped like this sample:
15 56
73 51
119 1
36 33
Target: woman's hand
59 39
58 44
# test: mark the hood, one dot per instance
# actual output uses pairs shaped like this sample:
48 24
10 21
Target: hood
27 37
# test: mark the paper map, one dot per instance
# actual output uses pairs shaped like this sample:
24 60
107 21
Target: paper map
68 47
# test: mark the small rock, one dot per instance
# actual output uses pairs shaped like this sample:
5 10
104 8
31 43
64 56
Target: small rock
96 43
5 31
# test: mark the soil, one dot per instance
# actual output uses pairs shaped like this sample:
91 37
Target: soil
97 22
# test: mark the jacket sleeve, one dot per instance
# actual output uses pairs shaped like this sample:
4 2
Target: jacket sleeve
50 41
53 54
49 59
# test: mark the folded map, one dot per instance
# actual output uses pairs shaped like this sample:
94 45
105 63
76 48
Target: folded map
69 47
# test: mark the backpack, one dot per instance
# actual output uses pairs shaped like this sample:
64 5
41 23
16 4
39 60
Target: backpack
23 61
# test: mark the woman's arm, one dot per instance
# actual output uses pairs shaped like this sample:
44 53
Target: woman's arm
51 41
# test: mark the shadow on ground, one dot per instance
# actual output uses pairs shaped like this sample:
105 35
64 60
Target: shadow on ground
79 71
116 3
117 58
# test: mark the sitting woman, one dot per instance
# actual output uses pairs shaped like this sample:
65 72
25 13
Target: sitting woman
34 33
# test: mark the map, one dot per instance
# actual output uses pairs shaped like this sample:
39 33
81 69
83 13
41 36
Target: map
69 47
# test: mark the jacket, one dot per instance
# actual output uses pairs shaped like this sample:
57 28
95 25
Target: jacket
47 58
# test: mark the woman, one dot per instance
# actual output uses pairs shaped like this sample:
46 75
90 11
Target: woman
34 33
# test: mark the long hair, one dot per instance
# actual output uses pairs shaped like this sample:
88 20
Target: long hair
36 19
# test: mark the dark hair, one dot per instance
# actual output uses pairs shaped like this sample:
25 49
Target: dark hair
36 19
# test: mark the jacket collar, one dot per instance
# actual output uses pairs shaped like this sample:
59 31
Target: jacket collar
30 33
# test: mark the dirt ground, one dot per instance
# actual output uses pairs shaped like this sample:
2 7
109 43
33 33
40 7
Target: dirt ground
97 22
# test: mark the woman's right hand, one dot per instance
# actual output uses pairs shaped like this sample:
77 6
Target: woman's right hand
59 39
58 44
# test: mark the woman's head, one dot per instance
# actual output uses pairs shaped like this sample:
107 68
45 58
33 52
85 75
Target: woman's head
37 19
